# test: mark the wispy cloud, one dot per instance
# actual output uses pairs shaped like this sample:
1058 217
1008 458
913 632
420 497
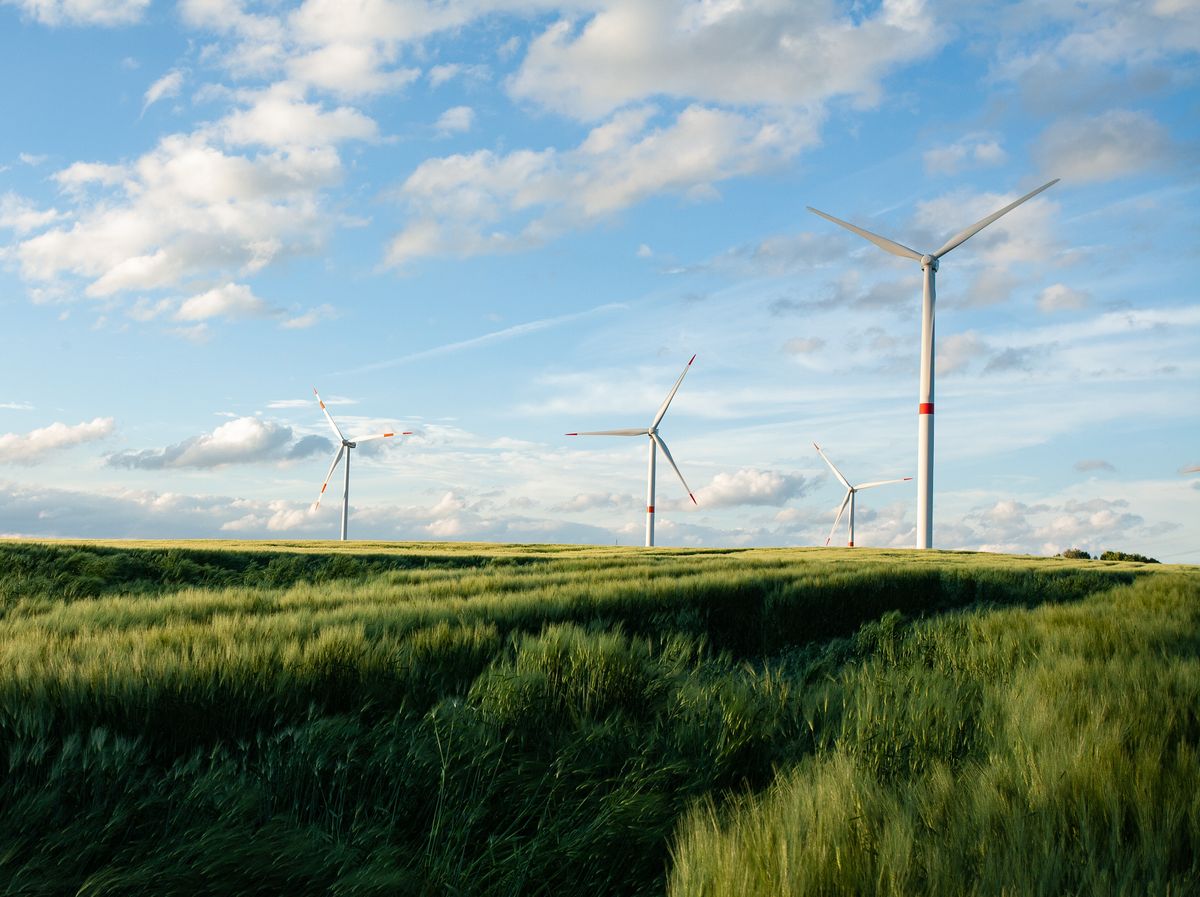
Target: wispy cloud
487 339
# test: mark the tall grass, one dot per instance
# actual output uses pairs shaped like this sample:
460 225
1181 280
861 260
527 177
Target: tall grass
1053 750
424 719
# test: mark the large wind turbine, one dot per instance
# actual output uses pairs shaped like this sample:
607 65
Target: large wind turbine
344 449
656 442
929 265
851 491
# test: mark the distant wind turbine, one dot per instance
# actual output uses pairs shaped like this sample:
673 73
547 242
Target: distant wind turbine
656 442
344 449
929 265
851 491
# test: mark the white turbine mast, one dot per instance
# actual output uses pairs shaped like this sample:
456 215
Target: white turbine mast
851 491
656 442
346 446
929 265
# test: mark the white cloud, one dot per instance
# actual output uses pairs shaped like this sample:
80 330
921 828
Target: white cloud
231 300
801 345
456 201
280 117
974 150
1114 144
350 69
246 440
82 12
31 447
310 318
1060 297
186 209
750 486
456 120
166 86
21 216
31 159
74 178
757 53
16 406
958 350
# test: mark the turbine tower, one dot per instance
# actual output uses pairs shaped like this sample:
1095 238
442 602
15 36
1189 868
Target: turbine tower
929 265
344 449
656 442
850 493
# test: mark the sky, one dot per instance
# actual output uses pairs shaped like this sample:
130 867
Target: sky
493 222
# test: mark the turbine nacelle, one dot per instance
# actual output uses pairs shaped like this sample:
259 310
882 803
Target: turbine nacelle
929 261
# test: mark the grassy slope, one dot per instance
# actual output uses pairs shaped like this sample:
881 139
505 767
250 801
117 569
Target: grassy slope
298 718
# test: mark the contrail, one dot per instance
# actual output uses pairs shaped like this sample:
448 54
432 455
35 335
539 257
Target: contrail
486 339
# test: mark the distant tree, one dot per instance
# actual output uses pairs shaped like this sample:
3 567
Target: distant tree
1075 554
1126 556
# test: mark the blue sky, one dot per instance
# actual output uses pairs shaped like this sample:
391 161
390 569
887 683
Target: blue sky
496 221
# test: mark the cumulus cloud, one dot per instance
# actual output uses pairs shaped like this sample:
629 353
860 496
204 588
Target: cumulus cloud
82 12
1015 526
750 486
281 117
21 216
758 53
459 204
456 120
1060 297
1114 144
186 209
310 318
232 300
31 447
972 151
597 501
957 351
246 440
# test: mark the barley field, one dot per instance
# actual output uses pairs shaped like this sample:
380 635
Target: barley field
226 718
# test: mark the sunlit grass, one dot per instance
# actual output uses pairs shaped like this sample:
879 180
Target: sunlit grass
231 717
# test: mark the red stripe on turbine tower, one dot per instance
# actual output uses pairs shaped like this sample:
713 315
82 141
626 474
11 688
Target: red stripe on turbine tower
650 509
925 408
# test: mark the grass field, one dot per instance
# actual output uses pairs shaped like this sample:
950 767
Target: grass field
317 718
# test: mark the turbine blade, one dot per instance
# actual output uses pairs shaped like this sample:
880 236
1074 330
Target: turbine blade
838 519
837 473
328 416
380 436
332 468
882 242
662 409
658 440
881 483
642 431
962 237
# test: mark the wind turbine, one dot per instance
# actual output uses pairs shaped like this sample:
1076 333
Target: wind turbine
851 491
929 265
344 449
656 442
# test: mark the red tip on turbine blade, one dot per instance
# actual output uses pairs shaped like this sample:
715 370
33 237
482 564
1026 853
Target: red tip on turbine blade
386 435
693 498
407 433
693 358
323 485
572 434
906 479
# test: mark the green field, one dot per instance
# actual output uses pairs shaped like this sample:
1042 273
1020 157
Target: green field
315 718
